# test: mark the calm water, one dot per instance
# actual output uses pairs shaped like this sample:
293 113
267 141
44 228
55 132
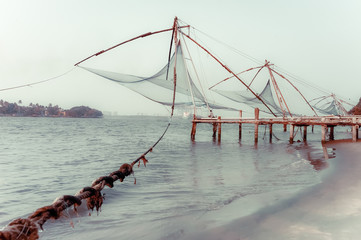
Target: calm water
184 182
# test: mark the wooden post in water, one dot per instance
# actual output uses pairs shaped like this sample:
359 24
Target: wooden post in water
292 131
214 130
270 132
193 133
323 132
219 128
332 133
354 130
240 126
285 127
304 133
256 116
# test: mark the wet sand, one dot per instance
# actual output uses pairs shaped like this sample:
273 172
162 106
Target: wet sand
328 210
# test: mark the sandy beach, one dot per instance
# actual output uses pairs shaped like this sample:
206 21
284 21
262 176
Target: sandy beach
328 210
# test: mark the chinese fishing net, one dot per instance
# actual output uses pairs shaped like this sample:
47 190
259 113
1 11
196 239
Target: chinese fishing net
248 98
159 87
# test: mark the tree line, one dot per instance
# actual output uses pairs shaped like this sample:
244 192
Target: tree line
16 109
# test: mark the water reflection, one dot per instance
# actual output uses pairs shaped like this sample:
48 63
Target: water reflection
317 157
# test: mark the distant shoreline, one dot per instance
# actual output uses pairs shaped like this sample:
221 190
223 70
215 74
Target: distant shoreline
35 110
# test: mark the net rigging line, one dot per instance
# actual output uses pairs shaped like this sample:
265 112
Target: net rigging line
311 86
38 82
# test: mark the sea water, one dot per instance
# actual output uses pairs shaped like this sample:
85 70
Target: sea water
187 186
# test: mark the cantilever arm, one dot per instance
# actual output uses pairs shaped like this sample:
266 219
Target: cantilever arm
132 39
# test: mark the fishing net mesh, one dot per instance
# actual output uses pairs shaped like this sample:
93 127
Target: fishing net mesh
160 86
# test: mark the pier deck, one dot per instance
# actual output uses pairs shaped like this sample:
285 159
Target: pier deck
324 121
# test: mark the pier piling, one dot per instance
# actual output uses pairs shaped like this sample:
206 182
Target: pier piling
292 132
193 133
332 133
304 133
219 128
323 132
214 130
270 132
327 124
256 116
240 126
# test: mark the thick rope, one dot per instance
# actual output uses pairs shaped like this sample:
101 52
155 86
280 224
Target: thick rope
27 228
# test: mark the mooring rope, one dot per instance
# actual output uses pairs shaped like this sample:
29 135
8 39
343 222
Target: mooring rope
27 228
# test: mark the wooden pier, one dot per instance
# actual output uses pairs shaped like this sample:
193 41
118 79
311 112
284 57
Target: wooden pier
327 123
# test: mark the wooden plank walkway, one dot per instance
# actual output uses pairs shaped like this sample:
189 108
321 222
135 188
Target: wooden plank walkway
326 122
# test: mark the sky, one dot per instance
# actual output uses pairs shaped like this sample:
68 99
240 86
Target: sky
316 40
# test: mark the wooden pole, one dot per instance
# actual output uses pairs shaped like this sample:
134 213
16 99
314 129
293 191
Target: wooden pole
292 131
270 132
354 133
193 133
354 130
219 128
214 130
332 133
323 132
256 116
285 127
304 133
357 129
240 126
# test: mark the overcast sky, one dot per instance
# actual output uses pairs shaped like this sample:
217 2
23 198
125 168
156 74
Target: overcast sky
317 40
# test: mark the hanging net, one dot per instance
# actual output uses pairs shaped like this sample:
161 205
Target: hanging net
248 98
333 107
159 87
329 109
